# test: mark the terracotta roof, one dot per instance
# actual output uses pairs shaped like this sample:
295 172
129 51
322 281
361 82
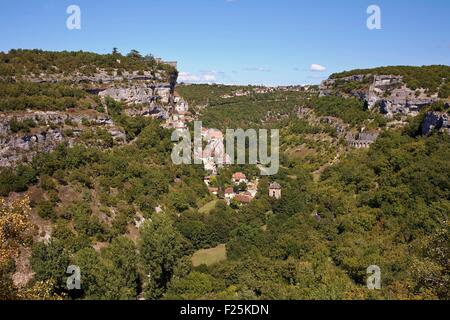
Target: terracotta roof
229 191
243 198
239 176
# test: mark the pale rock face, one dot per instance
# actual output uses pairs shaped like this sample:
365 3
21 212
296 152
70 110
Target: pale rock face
153 110
140 93
129 87
401 99
15 148
18 147
117 135
153 92
101 76
389 91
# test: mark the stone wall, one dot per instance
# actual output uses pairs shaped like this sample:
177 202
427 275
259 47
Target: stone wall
361 140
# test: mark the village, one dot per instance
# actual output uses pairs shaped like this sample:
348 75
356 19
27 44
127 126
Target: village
241 189
267 89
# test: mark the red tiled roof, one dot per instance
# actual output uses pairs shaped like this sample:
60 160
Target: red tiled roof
229 191
243 198
239 176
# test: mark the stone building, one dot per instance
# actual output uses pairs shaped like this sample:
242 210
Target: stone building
362 140
275 190
239 177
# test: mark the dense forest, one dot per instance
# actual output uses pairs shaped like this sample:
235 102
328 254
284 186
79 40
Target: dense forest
137 225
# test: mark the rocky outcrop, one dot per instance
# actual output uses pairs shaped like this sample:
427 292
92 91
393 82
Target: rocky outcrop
100 76
394 97
153 110
142 93
50 131
155 90
360 140
331 86
436 121
386 92
21 148
145 93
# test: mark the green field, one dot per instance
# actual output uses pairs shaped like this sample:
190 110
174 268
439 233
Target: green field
208 207
209 256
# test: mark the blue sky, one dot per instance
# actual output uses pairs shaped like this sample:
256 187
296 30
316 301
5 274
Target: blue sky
271 42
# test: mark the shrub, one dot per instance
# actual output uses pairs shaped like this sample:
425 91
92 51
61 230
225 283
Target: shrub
21 126
46 210
47 183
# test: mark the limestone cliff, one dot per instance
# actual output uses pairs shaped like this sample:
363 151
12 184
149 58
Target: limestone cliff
389 93
50 129
154 89
146 87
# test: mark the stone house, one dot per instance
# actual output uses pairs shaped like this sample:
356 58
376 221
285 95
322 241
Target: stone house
229 193
275 190
239 177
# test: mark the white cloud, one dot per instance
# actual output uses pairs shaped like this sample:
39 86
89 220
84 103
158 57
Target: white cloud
317 68
209 76
187 77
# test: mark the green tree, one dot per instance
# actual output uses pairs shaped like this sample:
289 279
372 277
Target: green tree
195 286
161 246
50 262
